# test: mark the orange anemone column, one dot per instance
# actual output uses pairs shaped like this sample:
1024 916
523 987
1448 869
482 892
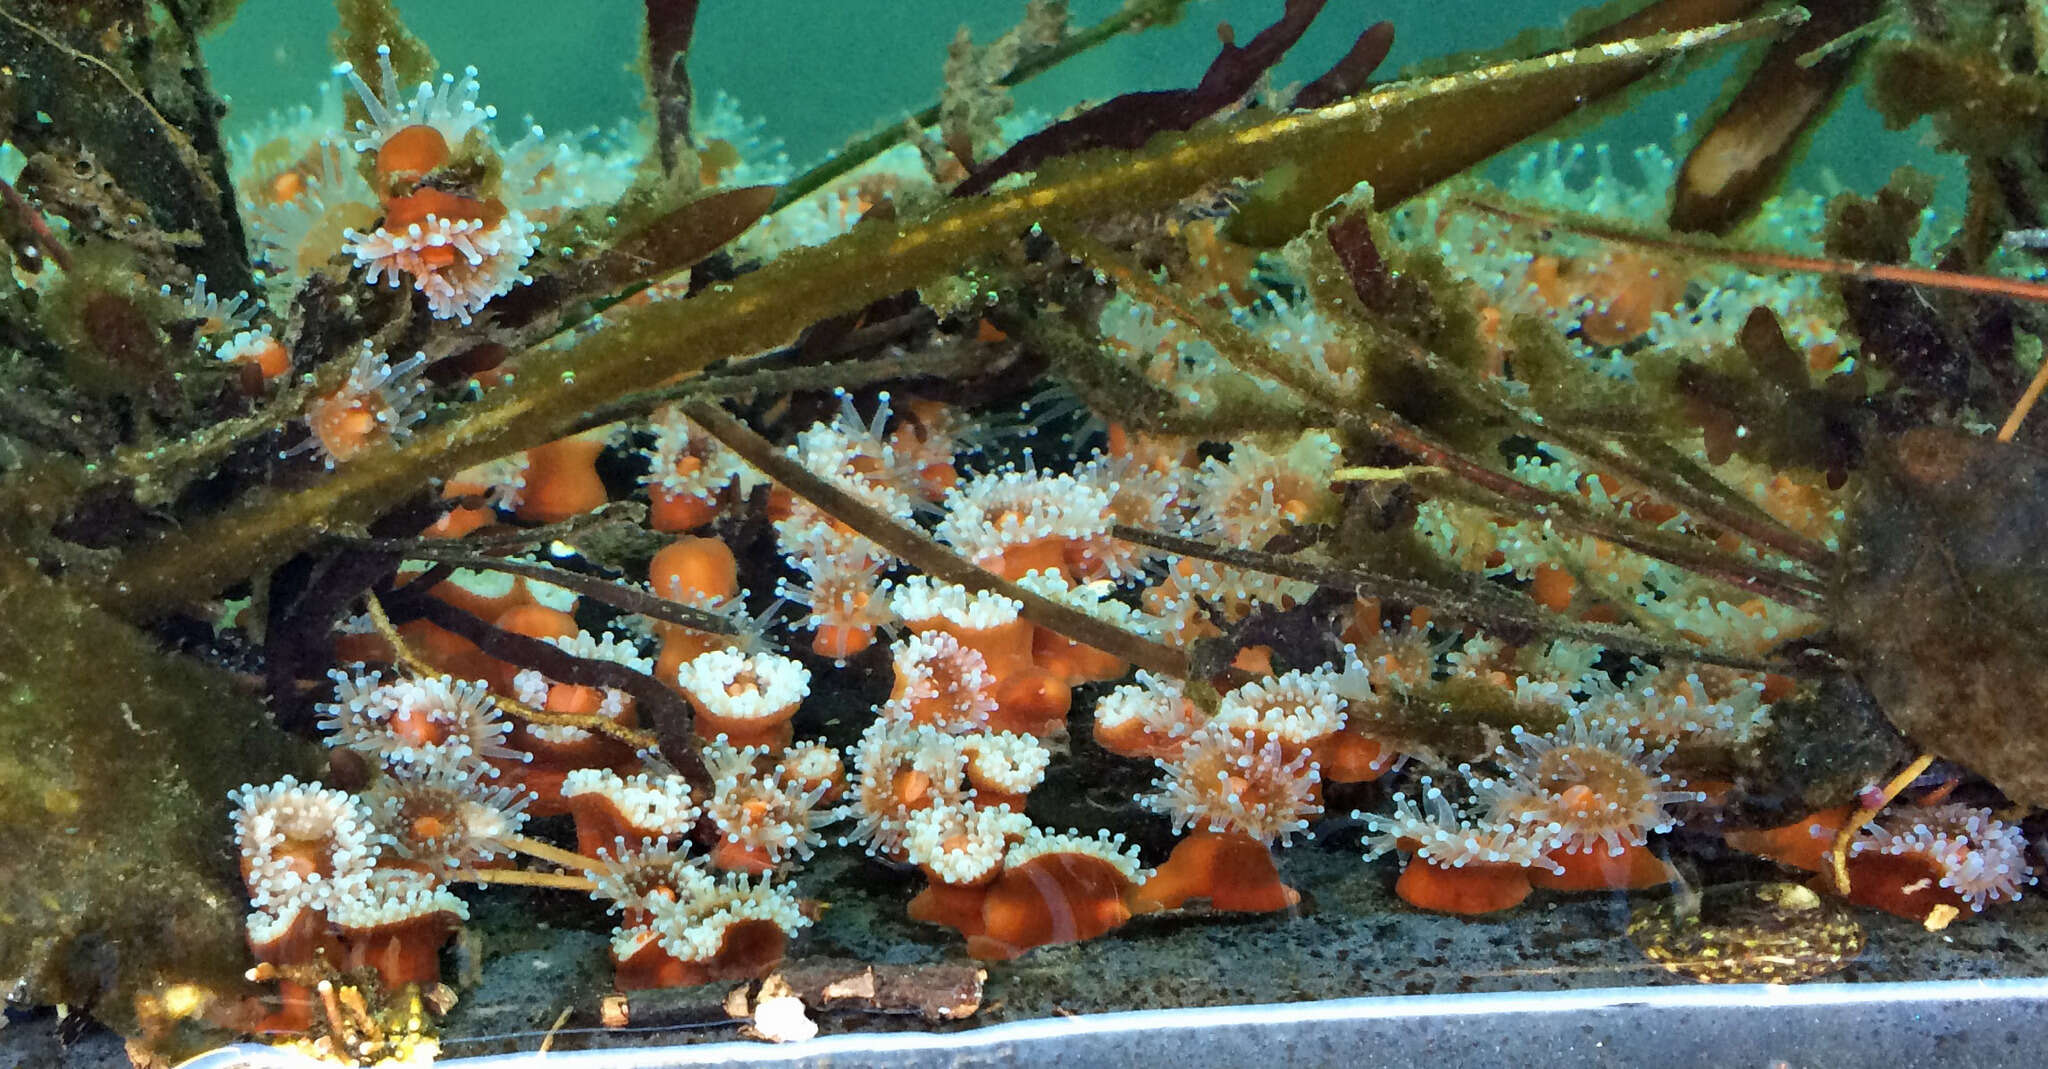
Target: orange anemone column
1231 869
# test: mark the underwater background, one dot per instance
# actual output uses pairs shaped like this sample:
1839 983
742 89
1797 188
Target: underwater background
817 72
813 75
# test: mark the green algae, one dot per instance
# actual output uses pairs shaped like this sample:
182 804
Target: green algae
1483 115
123 80
643 346
118 888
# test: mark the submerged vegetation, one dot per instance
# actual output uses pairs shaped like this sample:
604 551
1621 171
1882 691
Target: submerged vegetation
396 507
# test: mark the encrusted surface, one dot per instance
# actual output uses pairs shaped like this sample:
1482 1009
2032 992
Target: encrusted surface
1351 937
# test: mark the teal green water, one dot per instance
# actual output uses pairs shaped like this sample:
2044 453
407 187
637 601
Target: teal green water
816 71
820 71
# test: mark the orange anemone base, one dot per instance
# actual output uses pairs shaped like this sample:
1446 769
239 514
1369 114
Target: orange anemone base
406 952
1032 702
1053 898
1597 870
1803 844
1349 756
1903 885
552 763
600 825
1231 869
1468 891
956 906
676 513
774 732
307 941
751 859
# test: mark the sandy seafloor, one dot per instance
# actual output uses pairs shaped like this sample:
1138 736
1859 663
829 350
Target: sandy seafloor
1350 937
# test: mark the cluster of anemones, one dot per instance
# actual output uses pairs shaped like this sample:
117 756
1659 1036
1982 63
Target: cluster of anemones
350 881
1055 526
1591 578
451 780
941 778
949 799
420 194
688 473
1240 781
1457 863
980 699
228 325
1929 862
1619 308
893 473
680 924
683 920
1629 317
688 920
367 400
1571 809
969 667
980 696
460 246
1009 886
452 234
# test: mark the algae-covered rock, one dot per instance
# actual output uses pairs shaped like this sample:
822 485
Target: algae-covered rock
119 85
118 890
1824 744
1944 603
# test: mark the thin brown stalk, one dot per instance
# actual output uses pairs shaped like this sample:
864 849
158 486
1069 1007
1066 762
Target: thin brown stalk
558 881
1506 493
1861 816
2010 429
1682 481
415 665
617 595
549 852
46 240
926 555
671 717
1773 260
1679 481
1693 554
1471 606
945 363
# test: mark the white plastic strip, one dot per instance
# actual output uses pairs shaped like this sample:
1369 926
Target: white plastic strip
939 1048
